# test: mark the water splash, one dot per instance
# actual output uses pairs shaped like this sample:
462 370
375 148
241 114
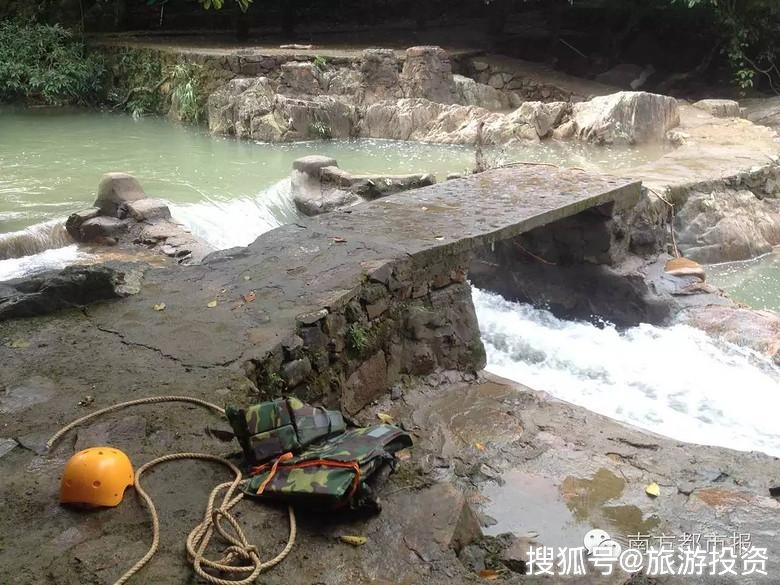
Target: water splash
238 222
34 239
676 381
47 260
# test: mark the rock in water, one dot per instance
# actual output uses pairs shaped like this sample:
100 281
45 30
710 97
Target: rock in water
685 267
720 108
114 190
631 117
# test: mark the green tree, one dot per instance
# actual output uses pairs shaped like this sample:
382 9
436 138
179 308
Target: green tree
43 63
750 31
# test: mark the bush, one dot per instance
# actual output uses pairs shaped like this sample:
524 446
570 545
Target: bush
187 92
44 64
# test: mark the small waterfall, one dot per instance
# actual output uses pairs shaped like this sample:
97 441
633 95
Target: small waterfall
34 239
238 222
676 381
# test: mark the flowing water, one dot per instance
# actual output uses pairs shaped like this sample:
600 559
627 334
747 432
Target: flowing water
753 282
227 191
674 381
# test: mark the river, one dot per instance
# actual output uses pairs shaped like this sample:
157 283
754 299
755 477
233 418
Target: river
675 381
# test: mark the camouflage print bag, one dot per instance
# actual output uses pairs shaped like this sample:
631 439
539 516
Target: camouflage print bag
343 471
284 425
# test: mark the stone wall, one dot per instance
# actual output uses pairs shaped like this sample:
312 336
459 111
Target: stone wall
403 320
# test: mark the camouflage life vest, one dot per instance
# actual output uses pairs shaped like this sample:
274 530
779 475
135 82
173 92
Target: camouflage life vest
304 454
269 429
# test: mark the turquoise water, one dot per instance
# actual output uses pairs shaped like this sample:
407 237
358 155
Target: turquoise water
753 282
228 191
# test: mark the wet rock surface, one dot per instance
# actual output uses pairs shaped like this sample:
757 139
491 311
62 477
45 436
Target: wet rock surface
757 330
555 472
74 286
123 215
719 108
318 185
626 117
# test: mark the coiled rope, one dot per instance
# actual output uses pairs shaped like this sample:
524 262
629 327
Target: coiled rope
240 559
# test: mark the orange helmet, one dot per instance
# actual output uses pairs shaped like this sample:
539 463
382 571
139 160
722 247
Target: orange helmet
96 477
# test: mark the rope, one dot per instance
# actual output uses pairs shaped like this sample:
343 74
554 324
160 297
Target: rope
150 400
240 558
671 219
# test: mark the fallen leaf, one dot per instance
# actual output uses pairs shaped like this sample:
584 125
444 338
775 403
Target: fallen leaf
385 418
249 297
212 304
159 307
19 344
353 540
653 490
489 574
479 446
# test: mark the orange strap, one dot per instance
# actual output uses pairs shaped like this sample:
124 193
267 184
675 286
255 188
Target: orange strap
283 457
353 465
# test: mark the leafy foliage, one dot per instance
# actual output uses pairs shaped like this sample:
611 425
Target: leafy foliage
357 338
209 4
751 29
187 92
320 62
142 75
45 64
320 130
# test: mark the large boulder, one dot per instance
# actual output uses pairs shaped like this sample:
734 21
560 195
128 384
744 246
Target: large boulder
318 185
427 73
221 105
426 121
719 108
398 119
115 190
299 78
722 226
310 195
764 111
628 116
254 110
319 117
100 229
757 330
379 78
255 102
371 187
470 93
543 117
341 81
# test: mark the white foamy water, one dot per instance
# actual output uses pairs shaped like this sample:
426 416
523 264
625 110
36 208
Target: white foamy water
237 222
46 260
675 381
